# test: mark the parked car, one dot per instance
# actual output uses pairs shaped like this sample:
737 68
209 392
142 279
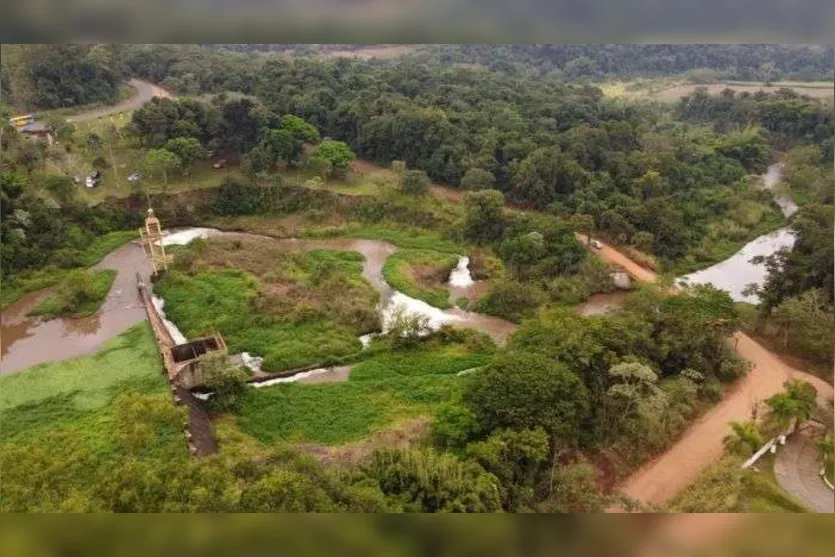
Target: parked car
219 163
134 178
596 244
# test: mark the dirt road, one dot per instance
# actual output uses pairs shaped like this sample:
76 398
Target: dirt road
145 92
661 479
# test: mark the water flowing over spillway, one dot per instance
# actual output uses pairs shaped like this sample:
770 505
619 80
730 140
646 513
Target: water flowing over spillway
176 335
460 276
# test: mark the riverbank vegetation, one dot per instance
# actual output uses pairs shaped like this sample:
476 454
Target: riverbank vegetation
421 274
294 308
390 387
49 394
78 294
796 301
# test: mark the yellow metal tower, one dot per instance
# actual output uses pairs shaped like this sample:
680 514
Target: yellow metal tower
152 243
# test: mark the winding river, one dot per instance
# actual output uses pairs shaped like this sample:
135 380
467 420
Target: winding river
28 341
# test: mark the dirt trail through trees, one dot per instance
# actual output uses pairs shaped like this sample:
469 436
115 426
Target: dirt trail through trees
660 480
144 92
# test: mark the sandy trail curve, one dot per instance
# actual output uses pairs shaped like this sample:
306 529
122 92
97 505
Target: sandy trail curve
144 92
661 479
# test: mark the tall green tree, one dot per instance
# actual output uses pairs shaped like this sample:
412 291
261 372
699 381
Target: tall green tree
521 391
162 161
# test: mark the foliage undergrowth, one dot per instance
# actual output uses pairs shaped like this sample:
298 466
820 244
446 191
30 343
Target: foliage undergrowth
79 294
382 390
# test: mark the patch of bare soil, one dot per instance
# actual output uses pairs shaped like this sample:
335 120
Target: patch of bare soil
382 51
401 436
428 276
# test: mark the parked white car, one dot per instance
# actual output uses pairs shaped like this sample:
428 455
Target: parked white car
596 244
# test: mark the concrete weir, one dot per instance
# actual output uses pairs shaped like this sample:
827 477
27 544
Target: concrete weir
179 362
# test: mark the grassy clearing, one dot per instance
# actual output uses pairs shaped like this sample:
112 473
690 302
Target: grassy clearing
293 308
381 391
79 294
725 487
421 274
18 286
404 237
49 394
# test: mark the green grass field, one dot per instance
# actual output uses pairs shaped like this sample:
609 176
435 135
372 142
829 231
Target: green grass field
400 236
293 308
380 392
49 394
402 268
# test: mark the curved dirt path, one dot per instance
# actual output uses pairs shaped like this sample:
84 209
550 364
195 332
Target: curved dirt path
661 479
145 92
797 470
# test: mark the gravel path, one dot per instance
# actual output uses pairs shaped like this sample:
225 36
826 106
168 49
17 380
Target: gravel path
797 471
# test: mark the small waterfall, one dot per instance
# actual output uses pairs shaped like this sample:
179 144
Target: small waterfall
460 276
176 335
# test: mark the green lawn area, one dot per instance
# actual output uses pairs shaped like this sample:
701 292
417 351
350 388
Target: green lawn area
17 286
381 391
420 274
93 285
293 308
725 487
49 394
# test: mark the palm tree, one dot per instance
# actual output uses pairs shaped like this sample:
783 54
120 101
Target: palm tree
744 440
782 410
825 449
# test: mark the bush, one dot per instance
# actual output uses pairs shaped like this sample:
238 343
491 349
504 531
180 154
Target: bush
426 481
520 391
415 182
454 426
511 300
79 293
226 381
234 198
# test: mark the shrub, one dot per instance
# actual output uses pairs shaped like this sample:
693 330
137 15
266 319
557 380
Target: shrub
511 300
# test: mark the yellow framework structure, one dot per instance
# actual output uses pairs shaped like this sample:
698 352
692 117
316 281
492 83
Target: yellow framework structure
152 243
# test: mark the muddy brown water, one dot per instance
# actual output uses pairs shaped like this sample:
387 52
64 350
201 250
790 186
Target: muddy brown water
601 304
376 253
28 341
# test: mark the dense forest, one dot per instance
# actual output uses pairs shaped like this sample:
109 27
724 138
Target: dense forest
750 62
543 143
56 76
547 421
